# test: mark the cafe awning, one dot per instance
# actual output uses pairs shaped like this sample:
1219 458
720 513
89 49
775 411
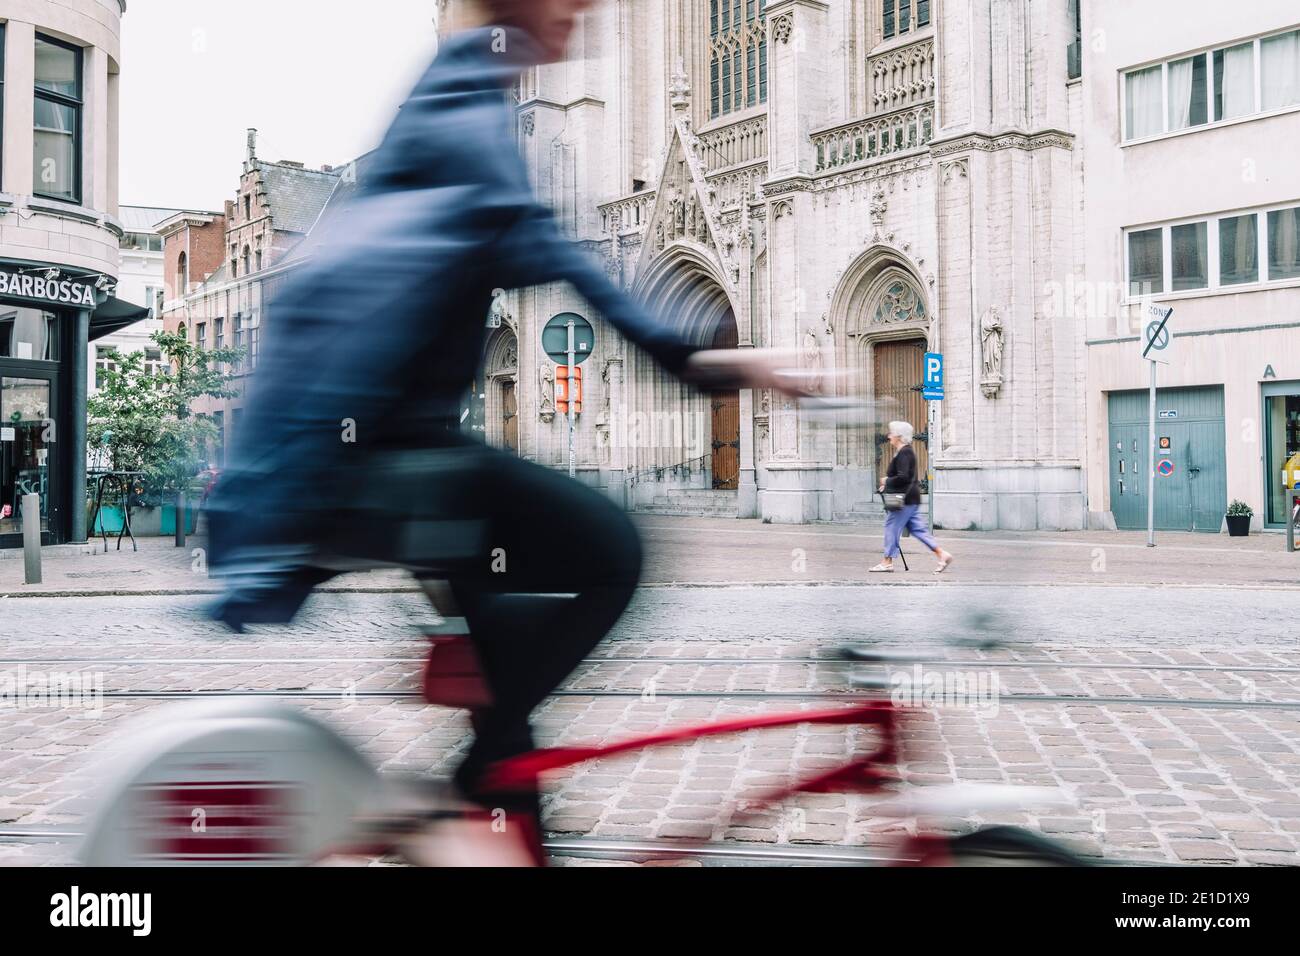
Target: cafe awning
113 315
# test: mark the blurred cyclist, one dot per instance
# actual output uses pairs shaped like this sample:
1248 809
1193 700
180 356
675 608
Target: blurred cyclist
373 344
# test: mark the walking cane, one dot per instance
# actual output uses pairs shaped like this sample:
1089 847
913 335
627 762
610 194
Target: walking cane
900 537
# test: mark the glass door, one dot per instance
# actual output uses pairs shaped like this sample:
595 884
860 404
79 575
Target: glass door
27 442
1281 445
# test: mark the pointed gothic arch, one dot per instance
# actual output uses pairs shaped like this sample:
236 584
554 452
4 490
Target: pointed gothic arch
681 435
880 315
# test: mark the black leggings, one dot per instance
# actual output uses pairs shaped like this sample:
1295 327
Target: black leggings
561 564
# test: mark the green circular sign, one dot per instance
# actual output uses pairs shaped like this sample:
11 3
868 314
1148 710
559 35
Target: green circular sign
555 338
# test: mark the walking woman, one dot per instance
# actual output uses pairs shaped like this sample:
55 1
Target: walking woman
901 479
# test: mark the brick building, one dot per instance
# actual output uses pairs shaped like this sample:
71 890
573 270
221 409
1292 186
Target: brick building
221 268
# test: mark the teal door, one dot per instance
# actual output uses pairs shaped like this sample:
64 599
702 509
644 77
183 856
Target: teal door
1190 437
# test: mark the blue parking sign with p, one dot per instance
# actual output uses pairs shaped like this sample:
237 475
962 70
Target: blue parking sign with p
932 387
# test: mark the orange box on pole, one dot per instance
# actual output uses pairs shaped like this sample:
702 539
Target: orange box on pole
562 389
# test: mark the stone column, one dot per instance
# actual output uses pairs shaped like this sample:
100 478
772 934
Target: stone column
797 487
74 451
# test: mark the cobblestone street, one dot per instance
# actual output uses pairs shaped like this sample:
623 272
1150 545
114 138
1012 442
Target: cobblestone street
1168 718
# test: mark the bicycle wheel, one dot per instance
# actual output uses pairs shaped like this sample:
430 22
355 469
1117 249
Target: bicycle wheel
1005 846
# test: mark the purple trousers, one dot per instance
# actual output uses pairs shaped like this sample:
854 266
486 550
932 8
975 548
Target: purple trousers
907 517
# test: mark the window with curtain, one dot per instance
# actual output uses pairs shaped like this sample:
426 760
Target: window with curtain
737 55
1238 249
1143 95
1280 70
56 172
1213 86
1284 243
1188 256
1187 92
1146 264
1234 81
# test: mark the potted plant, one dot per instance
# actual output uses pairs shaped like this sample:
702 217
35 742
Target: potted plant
1238 518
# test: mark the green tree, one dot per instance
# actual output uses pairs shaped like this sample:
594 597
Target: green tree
145 420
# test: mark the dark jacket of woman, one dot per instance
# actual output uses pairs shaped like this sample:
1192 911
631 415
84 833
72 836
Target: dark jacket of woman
901 477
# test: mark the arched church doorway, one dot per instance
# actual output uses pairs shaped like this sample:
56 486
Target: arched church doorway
898 368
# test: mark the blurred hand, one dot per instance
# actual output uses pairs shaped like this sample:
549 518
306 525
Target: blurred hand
751 368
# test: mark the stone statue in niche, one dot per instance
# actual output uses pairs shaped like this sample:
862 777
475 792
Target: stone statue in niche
812 361
992 342
546 384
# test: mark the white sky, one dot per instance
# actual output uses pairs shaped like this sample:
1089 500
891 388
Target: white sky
319 79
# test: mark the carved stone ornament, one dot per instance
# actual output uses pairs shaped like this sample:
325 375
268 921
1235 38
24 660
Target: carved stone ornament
679 91
529 123
783 28
992 342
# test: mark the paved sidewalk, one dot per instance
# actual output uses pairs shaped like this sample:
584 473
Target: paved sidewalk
727 551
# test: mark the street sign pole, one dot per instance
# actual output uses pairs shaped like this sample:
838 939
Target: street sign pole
1155 344
1151 462
573 399
929 460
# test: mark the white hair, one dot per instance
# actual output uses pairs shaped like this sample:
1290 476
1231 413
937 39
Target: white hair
903 430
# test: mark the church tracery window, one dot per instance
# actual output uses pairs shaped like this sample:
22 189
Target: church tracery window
900 302
737 55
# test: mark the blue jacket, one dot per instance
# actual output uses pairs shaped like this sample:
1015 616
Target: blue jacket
384 327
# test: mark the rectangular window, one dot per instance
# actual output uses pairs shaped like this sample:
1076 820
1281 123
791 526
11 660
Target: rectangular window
904 15
56 172
1143 95
1284 243
201 335
716 86
1187 92
1189 256
153 361
1238 249
1074 52
1280 70
1146 269
219 334
713 17
104 363
889 19
922 13
762 70
1234 81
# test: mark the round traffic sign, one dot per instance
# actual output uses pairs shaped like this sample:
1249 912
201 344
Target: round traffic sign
555 338
1165 468
1157 336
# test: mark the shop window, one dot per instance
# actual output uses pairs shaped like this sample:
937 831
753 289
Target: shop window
28 334
56 172
1282 423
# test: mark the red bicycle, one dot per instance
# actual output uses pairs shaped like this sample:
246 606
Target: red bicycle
256 782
